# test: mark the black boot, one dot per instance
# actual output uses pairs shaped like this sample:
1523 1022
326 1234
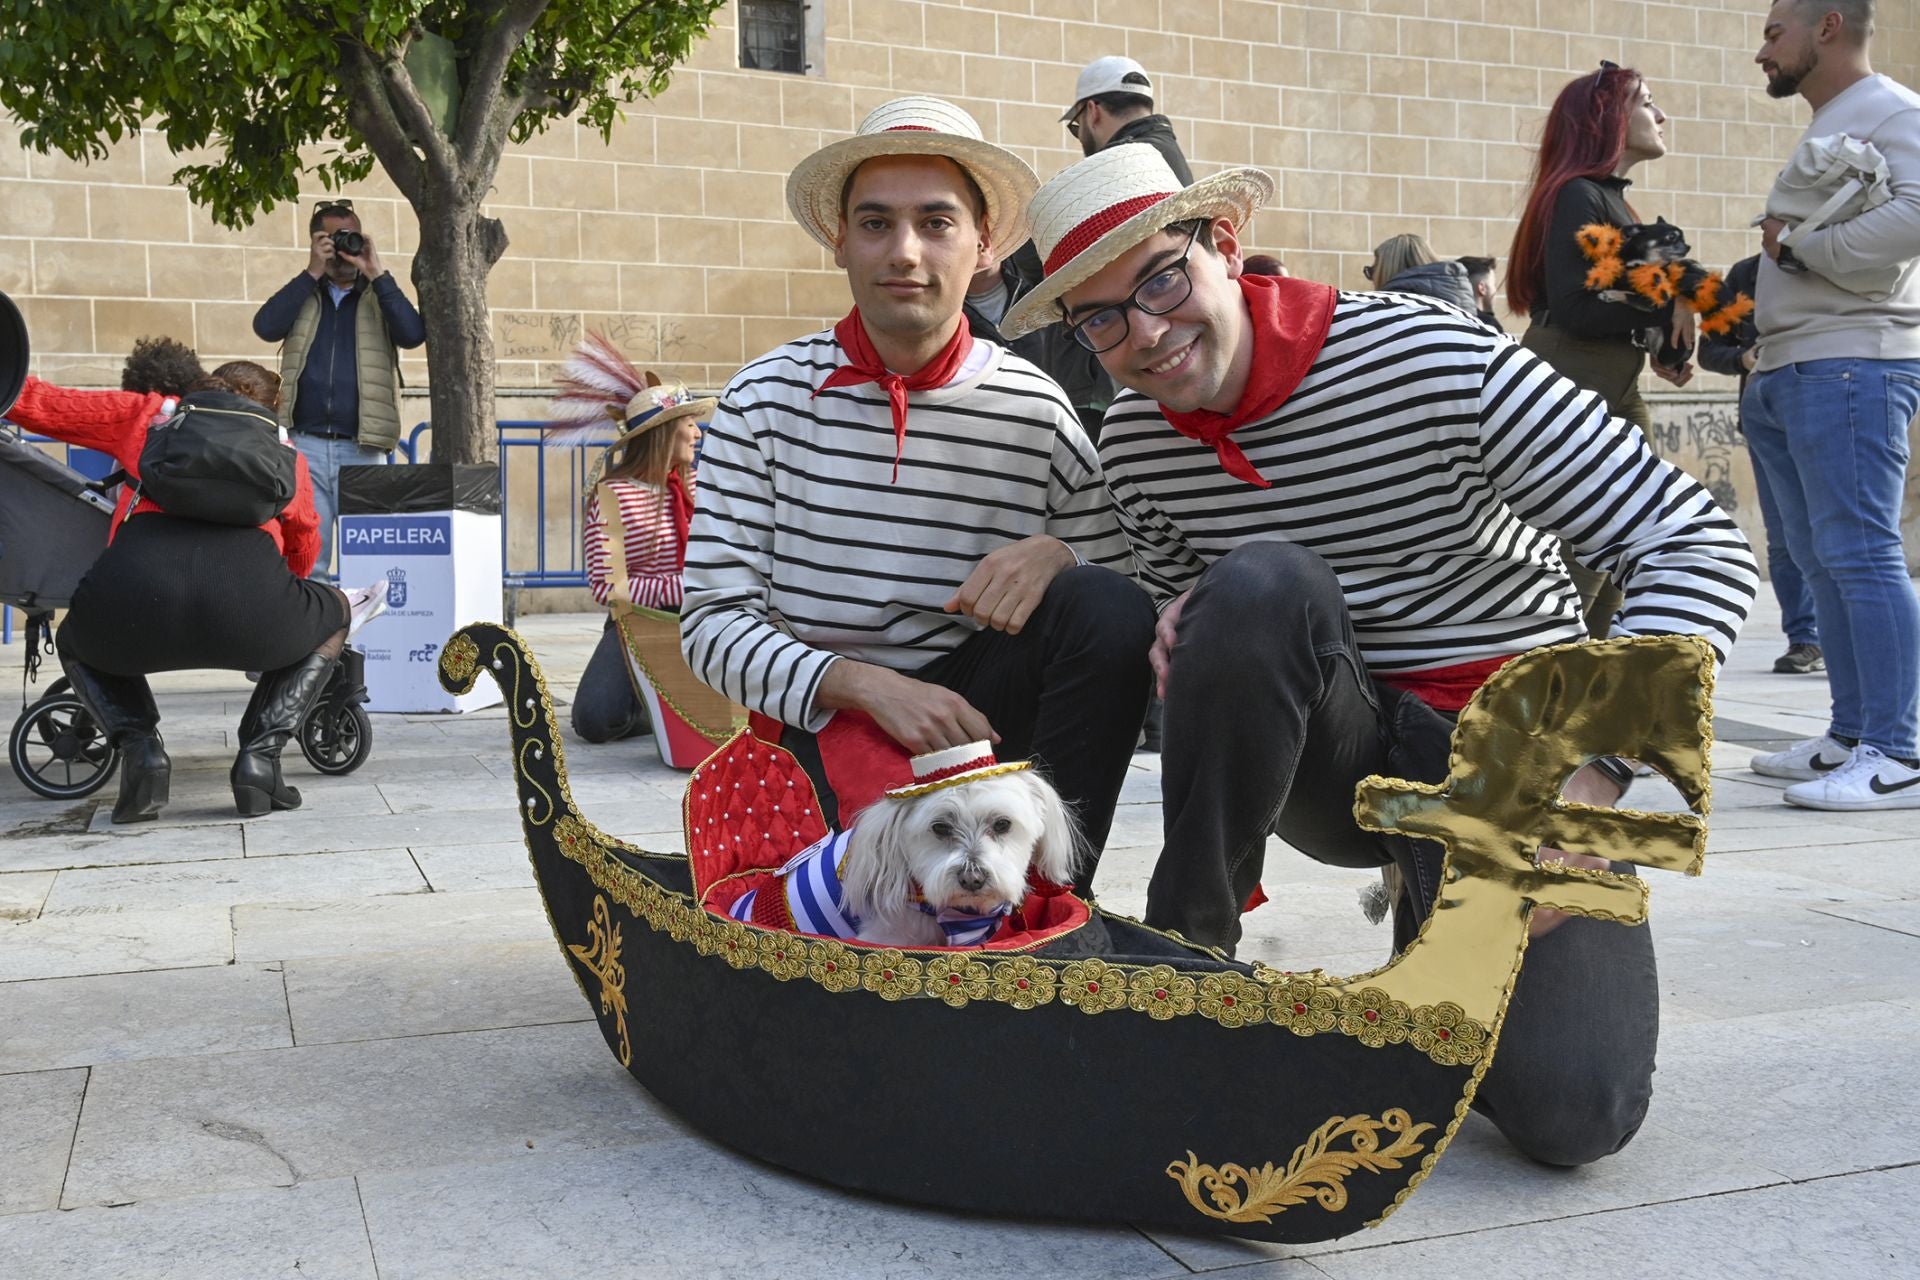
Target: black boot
123 707
280 702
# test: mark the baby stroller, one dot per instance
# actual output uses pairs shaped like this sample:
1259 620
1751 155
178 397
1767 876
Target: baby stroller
53 525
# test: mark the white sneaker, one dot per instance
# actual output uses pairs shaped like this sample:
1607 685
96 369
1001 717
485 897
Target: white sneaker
1870 780
1803 761
364 604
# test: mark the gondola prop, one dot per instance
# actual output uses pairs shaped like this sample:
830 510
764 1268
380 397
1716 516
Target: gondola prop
1085 1066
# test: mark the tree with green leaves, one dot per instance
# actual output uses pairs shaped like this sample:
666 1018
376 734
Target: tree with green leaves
431 90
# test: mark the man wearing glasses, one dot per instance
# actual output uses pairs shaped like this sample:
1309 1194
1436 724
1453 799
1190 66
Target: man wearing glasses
1347 506
1113 104
339 362
898 518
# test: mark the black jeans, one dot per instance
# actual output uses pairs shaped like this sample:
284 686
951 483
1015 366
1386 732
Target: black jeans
605 707
1069 693
1271 719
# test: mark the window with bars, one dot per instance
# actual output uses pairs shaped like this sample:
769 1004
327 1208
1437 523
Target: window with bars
774 35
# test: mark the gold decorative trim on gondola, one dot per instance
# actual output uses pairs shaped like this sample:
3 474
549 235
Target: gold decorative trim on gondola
601 956
461 658
1317 1170
1302 1004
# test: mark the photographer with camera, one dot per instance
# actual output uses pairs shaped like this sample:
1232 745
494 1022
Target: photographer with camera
339 361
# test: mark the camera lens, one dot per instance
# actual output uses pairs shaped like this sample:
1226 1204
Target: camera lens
349 243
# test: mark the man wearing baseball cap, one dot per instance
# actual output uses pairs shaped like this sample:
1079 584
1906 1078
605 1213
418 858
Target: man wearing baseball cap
1113 104
897 518
1347 507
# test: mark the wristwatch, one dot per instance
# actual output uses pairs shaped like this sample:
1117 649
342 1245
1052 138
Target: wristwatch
1619 771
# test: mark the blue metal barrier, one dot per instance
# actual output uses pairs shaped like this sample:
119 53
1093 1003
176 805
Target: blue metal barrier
546 557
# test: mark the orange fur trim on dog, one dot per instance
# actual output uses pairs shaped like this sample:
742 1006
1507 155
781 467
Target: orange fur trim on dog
1706 296
1727 318
1599 241
1604 273
1652 281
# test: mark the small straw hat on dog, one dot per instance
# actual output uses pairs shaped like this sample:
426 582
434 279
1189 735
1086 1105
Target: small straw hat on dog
954 767
1093 212
914 127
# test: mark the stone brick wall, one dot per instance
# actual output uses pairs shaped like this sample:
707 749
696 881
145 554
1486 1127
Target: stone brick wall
1376 116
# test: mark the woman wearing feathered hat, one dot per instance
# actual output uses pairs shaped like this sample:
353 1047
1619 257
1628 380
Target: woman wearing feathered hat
635 535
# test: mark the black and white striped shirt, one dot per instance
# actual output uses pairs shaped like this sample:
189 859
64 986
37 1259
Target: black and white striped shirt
1434 465
804 549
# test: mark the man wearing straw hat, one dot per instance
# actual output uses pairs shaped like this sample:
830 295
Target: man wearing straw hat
899 519
1347 507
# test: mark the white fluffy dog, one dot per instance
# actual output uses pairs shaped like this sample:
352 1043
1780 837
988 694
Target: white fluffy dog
943 862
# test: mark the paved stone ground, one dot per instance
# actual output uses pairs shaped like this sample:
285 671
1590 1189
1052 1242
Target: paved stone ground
340 1042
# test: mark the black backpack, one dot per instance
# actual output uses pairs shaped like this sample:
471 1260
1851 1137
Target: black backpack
218 459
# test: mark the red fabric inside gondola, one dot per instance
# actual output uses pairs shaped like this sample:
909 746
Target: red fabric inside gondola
750 806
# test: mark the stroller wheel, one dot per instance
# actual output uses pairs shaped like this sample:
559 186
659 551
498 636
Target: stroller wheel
58 751
336 739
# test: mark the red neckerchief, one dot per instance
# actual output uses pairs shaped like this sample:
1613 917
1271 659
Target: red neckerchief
680 511
864 365
1290 323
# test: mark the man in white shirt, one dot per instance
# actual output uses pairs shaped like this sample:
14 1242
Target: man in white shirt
1836 384
896 518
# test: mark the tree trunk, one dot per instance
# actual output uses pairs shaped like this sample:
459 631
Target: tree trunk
458 247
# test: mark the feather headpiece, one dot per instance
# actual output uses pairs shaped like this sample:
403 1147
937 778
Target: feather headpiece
601 397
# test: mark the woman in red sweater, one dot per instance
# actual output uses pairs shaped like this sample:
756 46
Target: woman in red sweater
172 594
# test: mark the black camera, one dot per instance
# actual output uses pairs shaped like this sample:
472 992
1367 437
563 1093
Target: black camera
349 244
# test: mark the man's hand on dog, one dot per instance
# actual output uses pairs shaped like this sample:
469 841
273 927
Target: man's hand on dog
1160 657
919 716
1006 587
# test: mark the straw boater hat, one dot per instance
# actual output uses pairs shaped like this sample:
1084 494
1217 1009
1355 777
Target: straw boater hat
914 127
954 767
603 397
1093 212
659 403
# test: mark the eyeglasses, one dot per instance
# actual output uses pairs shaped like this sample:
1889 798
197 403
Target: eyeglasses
1367 271
1073 125
1158 294
1606 65
321 206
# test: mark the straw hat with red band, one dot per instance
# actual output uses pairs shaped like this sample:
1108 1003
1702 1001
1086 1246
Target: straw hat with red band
954 767
914 127
1095 211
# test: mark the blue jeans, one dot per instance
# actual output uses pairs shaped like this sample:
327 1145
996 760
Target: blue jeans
325 456
1831 436
1789 584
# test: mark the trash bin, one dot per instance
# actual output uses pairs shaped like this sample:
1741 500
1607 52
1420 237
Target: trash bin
431 535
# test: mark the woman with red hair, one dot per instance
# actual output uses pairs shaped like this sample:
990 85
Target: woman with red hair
1600 127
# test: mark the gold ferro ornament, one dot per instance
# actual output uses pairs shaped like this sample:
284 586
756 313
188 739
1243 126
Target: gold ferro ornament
1539 720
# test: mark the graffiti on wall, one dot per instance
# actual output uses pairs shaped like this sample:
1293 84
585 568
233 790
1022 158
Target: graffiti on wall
1704 439
534 336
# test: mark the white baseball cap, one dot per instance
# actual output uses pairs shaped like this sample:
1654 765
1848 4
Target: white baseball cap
1112 74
